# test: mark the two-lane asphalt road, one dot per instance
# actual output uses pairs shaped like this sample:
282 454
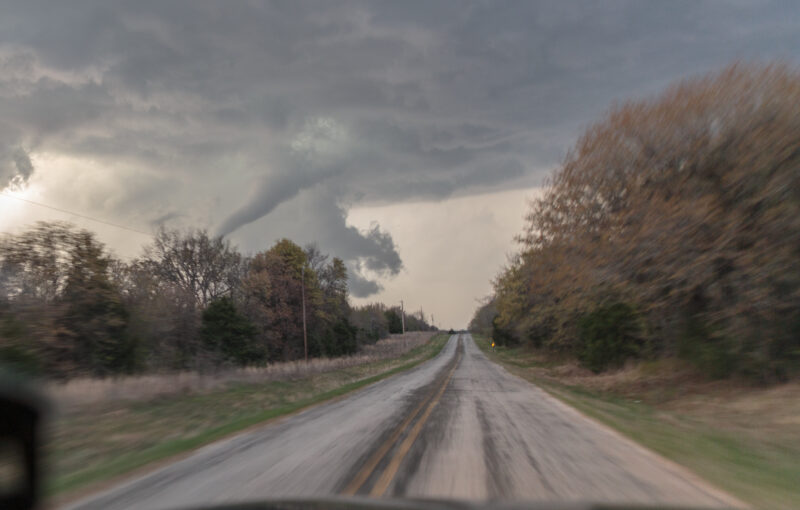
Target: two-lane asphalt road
458 426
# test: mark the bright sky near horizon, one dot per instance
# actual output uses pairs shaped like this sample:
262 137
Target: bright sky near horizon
451 250
402 137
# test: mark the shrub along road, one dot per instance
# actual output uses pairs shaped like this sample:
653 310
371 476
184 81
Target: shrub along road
457 426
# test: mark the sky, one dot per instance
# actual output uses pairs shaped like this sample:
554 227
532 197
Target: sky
404 137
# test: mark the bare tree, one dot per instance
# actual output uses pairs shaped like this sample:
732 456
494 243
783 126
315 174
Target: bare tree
34 264
205 267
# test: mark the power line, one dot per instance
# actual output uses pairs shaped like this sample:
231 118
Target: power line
123 227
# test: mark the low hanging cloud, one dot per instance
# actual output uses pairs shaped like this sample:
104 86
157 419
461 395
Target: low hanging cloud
360 286
15 167
317 216
370 255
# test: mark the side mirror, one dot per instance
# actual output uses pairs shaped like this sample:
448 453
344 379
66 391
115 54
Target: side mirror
21 412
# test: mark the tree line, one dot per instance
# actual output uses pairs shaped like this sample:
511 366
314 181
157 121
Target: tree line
672 228
69 308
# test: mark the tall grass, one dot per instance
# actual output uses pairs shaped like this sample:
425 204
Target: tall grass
86 391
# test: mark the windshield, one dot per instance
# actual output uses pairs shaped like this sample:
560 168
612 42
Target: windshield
536 252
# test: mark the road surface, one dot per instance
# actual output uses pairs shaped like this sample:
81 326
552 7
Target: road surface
457 426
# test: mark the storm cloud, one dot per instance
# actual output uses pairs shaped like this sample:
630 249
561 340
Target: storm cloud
264 120
15 167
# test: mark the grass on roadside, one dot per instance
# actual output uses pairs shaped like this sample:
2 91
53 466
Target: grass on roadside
762 470
105 441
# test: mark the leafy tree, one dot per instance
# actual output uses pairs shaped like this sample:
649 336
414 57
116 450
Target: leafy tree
273 291
183 272
370 323
56 281
94 322
68 308
394 321
681 205
416 321
481 321
228 333
34 264
15 350
33 270
609 335
163 315
337 336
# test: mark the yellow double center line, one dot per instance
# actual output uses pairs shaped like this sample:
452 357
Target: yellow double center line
391 469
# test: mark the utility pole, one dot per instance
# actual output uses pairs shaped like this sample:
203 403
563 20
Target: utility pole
403 316
303 294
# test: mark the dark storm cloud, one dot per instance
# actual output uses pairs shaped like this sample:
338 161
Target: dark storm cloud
361 287
316 216
229 110
15 167
370 254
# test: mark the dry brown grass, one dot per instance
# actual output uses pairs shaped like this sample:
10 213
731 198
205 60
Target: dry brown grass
733 404
86 391
671 385
653 381
769 414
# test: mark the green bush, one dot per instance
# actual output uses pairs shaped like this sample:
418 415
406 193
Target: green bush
784 350
394 321
501 335
704 348
15 352
608 336
229 333
337 339
20 360
537 332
